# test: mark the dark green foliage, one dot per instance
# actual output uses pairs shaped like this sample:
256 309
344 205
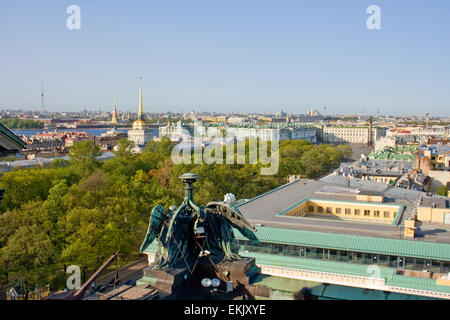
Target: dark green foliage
442 191
16 123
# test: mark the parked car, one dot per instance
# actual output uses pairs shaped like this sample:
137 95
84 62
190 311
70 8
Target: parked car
113 283
101 288
131 283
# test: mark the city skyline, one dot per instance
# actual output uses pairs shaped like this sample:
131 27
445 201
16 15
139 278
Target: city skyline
227 57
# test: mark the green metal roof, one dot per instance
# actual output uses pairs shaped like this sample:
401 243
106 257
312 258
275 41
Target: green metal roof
393 154
396 247
389 274
332 291
316 264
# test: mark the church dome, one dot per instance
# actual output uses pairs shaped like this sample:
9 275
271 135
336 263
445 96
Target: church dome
138 124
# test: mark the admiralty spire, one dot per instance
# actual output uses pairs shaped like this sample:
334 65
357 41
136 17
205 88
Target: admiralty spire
140 134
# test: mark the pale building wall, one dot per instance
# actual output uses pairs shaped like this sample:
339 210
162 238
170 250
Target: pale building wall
383 143
346 210
438 178
432 215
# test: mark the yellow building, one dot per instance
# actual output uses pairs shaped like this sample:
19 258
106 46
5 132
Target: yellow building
221 119
374 211
264 119
410 228
433 210
209 119
218 119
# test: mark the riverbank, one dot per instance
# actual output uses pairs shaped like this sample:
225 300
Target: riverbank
95 131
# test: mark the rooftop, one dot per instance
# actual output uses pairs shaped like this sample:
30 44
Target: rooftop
434 203
436 149
389 274
357 243
266 209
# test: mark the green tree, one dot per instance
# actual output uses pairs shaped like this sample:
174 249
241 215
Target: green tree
442 191
25 252
346 151
124 162
23 186
59 163
83 156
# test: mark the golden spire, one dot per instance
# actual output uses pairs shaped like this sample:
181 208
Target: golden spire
114 120
141 108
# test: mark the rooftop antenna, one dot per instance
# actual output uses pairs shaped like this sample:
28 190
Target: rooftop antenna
42 97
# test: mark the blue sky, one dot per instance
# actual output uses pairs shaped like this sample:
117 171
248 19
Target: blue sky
228 55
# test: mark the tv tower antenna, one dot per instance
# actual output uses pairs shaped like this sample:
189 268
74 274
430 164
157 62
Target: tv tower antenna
42 96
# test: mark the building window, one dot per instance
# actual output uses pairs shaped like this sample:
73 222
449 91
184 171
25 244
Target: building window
376 213
338 210
366 213
348 211
320 209
329 210
387 214
311 209
357 212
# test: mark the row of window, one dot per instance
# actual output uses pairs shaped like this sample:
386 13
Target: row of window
408 263
348 211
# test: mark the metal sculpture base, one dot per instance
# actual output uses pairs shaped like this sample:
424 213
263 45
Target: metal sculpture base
171 281
179 283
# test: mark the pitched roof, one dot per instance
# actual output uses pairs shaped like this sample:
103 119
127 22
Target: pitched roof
9 140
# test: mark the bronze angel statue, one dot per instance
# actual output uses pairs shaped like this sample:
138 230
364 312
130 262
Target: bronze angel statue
188 232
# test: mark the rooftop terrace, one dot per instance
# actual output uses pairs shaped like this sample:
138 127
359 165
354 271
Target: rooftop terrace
266 208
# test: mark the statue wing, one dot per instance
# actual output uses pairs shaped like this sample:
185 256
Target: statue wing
156 222
235 217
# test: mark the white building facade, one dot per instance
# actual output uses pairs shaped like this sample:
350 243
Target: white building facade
358 135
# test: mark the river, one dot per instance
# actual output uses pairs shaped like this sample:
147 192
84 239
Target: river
92 131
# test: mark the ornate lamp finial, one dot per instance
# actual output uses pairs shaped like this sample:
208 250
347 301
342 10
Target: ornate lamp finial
189 179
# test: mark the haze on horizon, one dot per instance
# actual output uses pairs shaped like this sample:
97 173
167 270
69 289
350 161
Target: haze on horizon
224 56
